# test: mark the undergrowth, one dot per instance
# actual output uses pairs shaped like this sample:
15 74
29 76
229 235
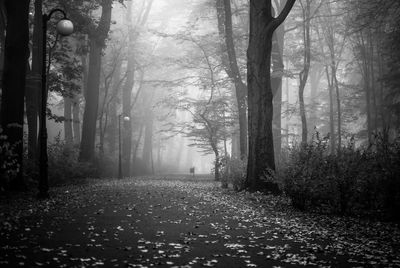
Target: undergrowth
353 181
233 172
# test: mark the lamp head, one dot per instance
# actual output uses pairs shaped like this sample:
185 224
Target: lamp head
126 118
65 27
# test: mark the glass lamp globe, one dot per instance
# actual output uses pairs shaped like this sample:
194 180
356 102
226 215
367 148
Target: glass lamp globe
65 27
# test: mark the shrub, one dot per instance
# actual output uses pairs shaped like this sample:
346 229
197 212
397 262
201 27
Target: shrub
303 174
358 181
9 166
233 171
63 165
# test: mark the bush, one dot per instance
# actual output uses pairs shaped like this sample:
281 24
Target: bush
233 171
9 166
364 181
63 165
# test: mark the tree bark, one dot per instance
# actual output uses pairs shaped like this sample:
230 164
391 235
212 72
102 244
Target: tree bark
15 62
148 141
34 85
276 85
97 43
367 85
127 97
303 76
240 86
315 77
334 82
331 111
136 147
3 25
112 128
216 164
338 106
261 147
373 81
68 122
76 125
235 148
126 110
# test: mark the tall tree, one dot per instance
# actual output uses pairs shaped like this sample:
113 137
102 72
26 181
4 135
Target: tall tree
303 76
331 30
97 38
34 86
261 147
129 83
76 123
148 142
3 25
16 56
112 113
276 81
224 13
68 133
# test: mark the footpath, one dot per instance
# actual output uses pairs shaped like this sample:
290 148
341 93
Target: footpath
180 221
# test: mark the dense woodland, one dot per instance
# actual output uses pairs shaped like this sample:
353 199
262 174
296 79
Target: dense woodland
289 97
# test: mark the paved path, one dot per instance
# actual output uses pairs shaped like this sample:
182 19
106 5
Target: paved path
182 222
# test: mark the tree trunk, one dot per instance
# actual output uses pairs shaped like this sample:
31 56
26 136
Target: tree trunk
112 129
261 147
315 77
216 163
32 90
34 85
306 68
235 148
159 154
382 103
334 82
3 25
76 125
367 88
136 147
68 122
339 110
148 141
372 77
15 62
240 86
178 157
126 110
127 97
97 43
331 111
287 111
276 85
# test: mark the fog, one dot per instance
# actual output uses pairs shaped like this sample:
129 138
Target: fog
199 133
164 66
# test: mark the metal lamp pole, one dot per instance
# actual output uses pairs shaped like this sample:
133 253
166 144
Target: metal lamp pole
126 119
64 27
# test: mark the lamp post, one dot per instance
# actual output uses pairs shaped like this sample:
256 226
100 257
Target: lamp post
126 119
64 27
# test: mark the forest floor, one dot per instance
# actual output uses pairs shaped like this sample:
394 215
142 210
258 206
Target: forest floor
180 221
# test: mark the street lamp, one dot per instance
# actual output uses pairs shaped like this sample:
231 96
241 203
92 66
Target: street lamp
64 27
126 119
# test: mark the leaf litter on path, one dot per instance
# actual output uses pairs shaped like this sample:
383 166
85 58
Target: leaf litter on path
149 221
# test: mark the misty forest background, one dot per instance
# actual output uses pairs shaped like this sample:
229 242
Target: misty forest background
187 77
